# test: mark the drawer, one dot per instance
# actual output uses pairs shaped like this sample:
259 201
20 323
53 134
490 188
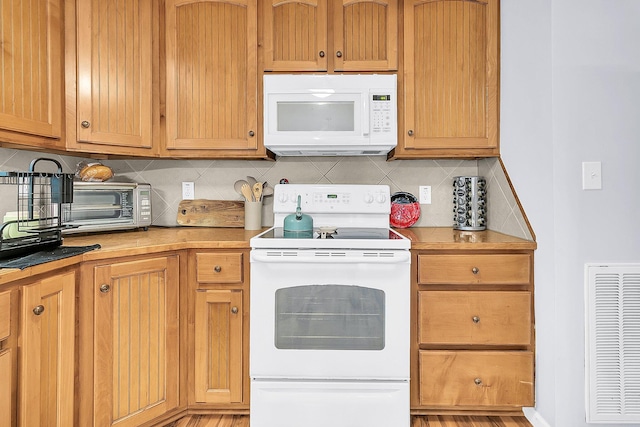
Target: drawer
5 315
474 269
219 267
476 378
474 317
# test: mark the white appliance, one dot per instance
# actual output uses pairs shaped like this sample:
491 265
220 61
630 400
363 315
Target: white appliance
330 315
330 114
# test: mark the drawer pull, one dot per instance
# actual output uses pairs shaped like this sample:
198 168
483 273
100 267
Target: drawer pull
217 269
38 310
475 319
478 381
475 270
234 310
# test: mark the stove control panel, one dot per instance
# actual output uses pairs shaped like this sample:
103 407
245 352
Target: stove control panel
332 198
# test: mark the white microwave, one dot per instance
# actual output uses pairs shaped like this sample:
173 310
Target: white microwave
330 114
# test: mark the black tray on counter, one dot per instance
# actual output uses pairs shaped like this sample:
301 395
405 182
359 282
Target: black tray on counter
46 255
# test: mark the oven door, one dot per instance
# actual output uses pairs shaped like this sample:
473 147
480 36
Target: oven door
321 314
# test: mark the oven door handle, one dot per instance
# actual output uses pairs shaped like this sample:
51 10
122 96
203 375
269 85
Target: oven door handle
332 257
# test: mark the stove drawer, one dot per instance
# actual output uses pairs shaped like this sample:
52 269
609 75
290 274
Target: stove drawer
474 318
219 267
471 269
476 378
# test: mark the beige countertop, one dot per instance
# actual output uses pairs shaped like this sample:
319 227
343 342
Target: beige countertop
159 239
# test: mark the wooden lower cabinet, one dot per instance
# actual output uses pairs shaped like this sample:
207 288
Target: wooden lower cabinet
476 378
8 365
134 359
6 388
473 345
47 361
218 345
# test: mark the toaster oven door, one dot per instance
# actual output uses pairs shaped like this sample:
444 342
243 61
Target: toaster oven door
102 206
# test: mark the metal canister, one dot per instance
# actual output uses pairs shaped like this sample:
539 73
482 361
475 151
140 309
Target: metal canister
469 203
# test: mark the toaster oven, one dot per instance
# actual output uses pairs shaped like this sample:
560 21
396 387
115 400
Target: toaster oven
108 206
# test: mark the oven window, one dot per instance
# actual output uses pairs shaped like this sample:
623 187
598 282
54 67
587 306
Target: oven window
329 317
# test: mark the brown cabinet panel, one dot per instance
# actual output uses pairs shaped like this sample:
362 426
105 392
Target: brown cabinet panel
136 342
31 64
295 35
219 267
471 318
474 269
218 346
46 357
330 35
211 76
114 77
476 378
451 78
365 35
5 315
6 389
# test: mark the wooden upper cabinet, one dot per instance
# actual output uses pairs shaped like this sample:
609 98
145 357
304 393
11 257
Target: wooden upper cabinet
295 35
451 78
114 78
350 35
211 75
365 35
31 104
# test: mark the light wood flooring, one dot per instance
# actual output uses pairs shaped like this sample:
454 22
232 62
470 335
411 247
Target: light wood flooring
421 421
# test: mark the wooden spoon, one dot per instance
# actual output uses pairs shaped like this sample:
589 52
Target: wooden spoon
246 192
257 191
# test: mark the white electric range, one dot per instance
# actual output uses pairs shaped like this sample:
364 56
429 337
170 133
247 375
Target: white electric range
329 314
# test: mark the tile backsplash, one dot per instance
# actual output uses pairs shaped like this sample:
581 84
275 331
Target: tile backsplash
214 180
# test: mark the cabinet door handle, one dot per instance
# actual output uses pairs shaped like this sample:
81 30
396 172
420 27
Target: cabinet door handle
234 310
251 133
478 381
321 53
339 54
217 269
85 124
475 270
38 310
410 132
105 288
475 319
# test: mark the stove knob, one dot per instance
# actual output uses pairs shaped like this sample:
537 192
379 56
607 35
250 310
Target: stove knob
282 197
381 198
368 198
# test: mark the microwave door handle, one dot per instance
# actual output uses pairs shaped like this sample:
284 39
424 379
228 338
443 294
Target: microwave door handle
365 114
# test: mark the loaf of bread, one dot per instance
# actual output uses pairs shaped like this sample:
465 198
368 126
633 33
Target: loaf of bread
95 172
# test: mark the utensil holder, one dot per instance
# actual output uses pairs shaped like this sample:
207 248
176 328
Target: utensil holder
469 203
252 215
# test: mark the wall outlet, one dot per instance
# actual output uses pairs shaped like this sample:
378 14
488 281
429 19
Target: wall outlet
425 195
188 191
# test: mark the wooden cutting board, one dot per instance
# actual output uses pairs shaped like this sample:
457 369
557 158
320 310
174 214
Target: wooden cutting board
211 213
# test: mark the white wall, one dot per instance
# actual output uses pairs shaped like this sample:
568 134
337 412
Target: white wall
571 93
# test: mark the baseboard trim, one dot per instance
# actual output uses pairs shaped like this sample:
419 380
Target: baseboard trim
535 418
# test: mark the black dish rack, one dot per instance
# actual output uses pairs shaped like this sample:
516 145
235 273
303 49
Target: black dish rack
37 223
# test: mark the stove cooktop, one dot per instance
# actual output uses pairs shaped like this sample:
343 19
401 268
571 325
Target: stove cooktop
341 238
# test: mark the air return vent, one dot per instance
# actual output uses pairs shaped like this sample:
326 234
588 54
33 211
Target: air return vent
613 343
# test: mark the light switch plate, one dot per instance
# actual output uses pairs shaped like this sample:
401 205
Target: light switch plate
591 175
